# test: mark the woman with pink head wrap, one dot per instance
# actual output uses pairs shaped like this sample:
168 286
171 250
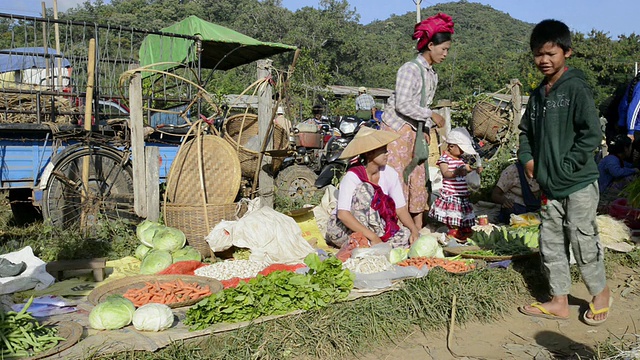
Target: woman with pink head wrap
408 111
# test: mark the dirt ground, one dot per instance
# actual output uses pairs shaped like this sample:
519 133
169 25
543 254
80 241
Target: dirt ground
523 337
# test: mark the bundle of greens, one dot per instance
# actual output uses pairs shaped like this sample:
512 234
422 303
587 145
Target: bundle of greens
280 292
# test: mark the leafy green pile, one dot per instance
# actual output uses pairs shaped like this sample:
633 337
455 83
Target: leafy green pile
503 242
277 293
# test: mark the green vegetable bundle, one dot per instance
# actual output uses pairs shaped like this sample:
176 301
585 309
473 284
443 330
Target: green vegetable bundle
504 241
22 336
278 293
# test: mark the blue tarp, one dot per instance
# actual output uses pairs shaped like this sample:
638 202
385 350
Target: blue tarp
28 58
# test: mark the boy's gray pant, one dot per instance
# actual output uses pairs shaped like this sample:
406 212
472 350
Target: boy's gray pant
572 222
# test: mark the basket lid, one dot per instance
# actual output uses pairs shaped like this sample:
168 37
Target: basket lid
221 173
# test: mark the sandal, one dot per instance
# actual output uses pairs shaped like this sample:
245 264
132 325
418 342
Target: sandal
544 313
592 308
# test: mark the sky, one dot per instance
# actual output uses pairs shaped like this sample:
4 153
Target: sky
614 17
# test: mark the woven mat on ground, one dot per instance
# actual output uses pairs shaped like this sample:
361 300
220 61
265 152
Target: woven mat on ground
108 342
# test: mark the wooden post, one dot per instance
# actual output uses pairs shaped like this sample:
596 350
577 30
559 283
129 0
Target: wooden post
137 144
87 127
152 154
265 111
56 29
516 100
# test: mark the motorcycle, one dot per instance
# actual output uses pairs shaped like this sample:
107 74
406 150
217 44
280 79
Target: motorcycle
332 166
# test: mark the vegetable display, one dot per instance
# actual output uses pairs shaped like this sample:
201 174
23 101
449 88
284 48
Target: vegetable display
162 246
505 241
187 253
155 261
114 313
21 335
229 269
452 266
280 292
153 317
426 246
167 292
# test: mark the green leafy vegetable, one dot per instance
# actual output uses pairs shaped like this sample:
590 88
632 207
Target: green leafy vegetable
280 292
155 261
114 313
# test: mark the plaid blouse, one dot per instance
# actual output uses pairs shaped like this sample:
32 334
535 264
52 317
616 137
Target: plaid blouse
405 102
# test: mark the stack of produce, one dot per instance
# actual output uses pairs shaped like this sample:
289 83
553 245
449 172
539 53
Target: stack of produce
162 246
505 241
450 265
21 335
166 292
279 292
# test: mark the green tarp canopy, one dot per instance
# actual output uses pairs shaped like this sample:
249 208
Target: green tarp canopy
222 48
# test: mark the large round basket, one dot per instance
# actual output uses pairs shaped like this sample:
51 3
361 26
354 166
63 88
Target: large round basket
204 164
241 128
190 218
461 251
120 286
489 121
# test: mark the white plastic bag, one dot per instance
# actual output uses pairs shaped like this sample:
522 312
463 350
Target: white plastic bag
271 236
35 276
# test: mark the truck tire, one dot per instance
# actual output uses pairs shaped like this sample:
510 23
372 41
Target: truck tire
296 183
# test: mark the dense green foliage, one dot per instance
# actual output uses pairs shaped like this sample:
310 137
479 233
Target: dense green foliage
490 47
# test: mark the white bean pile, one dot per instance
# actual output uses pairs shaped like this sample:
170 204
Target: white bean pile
368 265
225 270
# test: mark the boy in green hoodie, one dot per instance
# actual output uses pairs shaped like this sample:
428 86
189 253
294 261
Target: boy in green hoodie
560 131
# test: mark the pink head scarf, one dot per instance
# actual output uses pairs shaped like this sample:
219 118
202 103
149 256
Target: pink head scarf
424 30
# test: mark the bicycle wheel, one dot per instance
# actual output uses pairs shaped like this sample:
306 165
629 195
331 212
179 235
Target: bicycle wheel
68 200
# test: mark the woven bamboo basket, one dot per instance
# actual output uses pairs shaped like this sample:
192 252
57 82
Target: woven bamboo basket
120 286
241 128
489 121
190 218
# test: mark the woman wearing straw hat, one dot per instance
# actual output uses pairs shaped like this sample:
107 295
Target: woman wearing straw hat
370 197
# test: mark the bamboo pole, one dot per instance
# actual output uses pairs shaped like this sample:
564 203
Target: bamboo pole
44 44
87 126
56 29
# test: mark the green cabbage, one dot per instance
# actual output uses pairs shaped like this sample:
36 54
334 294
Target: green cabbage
155 261
426 246
398 254
153 317
114 313
141 251
169 239
185 254
145 231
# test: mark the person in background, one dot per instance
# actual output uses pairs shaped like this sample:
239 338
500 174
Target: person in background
453 207
318 119
615 171
517 193
365 104
370 197
281 120
561 108
629 111
416 83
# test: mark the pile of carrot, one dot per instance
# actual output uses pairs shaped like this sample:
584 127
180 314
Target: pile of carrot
167 292
453 266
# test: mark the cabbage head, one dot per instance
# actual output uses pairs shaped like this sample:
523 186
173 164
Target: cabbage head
141 251
145 231
169 239
398 254
185 254
114 313
426 246
155 261
153 317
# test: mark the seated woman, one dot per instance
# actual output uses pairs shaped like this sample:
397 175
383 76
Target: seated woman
517 193
370 197
615 172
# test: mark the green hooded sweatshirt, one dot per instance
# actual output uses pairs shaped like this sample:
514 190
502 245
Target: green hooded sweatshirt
560 132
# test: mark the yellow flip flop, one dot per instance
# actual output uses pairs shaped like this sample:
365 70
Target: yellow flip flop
592 308
544 313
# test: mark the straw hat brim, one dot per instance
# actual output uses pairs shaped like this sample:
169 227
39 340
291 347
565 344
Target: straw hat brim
366 140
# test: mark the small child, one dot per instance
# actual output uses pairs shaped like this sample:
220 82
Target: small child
453 207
